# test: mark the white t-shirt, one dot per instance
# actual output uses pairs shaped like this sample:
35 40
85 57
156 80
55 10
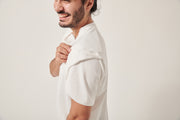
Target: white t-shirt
84 77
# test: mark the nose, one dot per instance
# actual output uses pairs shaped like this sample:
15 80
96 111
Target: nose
58 6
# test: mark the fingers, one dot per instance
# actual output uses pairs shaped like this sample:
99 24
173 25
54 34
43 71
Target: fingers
62 52
65 46
61 56
60 60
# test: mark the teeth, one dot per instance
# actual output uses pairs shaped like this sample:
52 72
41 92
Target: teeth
63 15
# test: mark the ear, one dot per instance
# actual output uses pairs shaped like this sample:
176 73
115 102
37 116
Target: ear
89 4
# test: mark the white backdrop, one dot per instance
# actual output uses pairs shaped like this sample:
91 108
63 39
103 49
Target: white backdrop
143 45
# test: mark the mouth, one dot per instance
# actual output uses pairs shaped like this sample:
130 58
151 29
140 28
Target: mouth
63 16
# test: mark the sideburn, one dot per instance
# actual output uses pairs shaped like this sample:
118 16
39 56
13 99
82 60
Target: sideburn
78 16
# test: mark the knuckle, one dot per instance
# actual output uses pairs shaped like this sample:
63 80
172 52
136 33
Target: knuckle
62 44
58 49
64 56
65 52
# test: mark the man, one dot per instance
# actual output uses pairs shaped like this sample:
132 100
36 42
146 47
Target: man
80 63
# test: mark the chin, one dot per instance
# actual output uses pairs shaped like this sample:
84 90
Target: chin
65 24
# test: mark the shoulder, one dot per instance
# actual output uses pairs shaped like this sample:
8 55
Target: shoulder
90 39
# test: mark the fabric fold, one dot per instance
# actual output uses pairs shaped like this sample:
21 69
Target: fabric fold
79 55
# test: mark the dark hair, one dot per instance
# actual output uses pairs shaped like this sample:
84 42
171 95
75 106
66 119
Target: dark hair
94 8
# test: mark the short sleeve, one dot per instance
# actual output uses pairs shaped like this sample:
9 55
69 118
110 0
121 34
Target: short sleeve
83 81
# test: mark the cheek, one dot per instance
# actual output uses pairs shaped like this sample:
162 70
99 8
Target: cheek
70 8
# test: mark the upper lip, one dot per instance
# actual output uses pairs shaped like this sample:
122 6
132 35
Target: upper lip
62 15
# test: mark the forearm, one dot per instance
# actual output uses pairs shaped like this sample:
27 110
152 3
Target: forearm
54 68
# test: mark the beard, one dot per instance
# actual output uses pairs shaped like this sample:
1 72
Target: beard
76 18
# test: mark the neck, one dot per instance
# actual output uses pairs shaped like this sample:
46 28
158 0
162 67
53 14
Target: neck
81 24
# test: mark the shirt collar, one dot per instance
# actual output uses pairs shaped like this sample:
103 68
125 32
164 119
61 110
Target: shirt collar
81 31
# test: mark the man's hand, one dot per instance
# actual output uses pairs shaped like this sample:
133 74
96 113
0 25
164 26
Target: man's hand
62 52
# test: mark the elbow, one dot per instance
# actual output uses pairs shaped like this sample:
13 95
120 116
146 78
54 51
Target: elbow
83 117
54 75
80 117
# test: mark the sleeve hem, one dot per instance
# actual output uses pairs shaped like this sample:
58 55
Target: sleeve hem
89 103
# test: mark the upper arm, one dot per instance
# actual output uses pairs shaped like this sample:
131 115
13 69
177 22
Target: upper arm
79 111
